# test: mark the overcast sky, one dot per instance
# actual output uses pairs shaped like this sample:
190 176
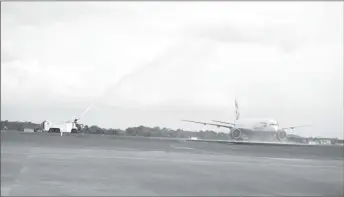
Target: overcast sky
154 63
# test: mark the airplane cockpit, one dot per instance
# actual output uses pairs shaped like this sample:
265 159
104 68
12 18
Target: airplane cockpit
263 124
268 125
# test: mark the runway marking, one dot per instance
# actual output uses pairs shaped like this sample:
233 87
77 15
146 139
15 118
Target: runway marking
38 148
105 149
174 160
199 150
251 157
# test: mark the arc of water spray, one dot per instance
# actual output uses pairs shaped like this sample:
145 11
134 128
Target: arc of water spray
157 62
168 53
100 97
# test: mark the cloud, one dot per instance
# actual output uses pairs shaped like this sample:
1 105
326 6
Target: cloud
281 59
277 36
41 14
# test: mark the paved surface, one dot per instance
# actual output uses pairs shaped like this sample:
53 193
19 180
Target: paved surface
40 164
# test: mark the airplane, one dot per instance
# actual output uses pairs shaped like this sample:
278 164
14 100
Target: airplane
251 128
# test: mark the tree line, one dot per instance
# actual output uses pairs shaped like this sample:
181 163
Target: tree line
142 131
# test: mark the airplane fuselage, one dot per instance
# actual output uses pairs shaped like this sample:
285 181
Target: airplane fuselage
257 125
257 128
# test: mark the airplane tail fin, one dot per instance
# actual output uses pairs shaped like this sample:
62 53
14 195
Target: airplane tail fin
237 113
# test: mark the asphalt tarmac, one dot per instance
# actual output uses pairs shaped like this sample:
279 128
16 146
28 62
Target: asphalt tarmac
41 164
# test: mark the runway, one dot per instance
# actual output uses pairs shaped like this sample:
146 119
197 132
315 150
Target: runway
40 164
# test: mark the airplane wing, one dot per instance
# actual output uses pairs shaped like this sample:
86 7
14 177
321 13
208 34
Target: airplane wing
223 122
205 123
296 127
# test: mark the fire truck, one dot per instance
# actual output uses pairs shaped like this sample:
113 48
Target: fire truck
61 126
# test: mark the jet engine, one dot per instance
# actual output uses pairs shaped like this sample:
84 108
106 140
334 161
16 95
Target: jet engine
236 134
281 135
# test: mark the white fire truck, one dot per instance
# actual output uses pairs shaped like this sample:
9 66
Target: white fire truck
61 126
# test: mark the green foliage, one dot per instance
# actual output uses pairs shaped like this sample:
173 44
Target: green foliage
131 131
18 126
